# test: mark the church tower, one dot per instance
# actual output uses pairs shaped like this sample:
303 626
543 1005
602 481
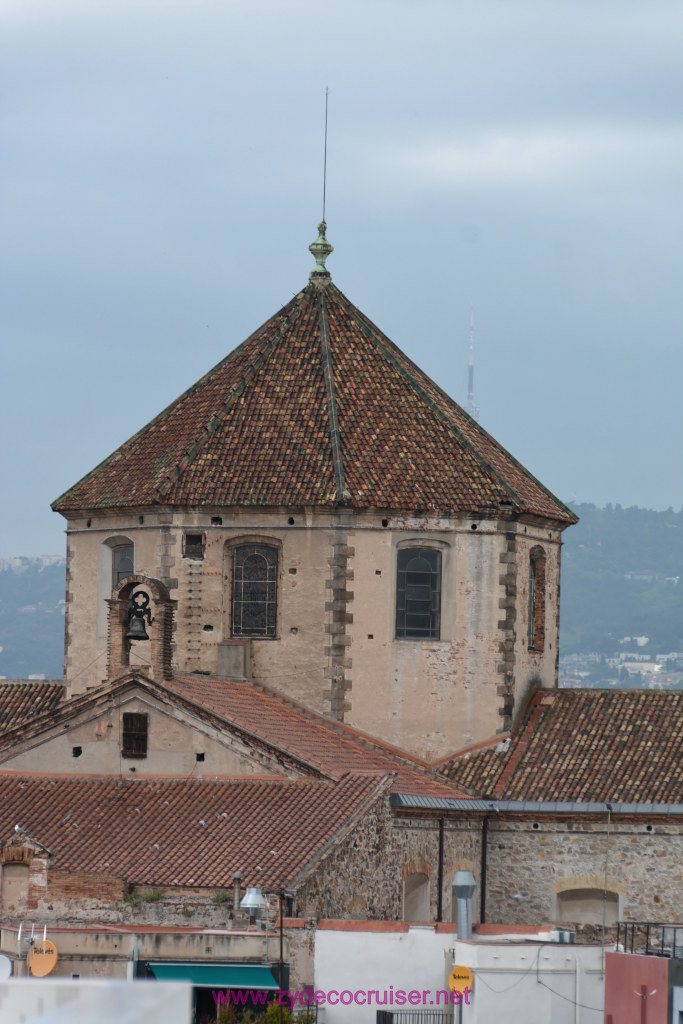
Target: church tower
317 514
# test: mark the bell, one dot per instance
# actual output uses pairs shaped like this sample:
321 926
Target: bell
136 629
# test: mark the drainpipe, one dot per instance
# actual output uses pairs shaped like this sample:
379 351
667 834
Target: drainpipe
439 900
482 873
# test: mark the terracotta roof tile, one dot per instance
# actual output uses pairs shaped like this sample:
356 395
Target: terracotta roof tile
586 745
477 770
23 701
258 430
164 832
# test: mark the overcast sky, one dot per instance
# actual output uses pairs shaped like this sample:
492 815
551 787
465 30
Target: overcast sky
161 180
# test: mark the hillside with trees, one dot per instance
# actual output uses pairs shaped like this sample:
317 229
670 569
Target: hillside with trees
622 575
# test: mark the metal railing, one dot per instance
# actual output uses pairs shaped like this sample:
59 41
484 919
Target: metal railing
444 1016
650 938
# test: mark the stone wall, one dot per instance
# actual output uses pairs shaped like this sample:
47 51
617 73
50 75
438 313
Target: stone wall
362 879
644 868
336 617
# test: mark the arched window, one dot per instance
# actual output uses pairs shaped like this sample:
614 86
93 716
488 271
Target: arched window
418 594
116 561
254 591
536 609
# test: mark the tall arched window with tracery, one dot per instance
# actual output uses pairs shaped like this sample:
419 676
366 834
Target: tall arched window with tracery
536 609
254 591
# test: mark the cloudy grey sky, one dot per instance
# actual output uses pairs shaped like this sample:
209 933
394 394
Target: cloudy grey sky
161 180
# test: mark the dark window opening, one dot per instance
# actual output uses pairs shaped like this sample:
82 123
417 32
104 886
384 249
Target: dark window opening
122 564
199 757
193 545
536 604
76 751
216 520
134 742
418 594
254 591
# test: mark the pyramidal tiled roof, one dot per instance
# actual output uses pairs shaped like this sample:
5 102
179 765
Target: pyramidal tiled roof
316 408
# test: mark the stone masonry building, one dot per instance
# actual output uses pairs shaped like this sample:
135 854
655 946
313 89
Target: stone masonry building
324 518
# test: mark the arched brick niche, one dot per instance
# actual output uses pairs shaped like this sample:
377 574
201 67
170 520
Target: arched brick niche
158 650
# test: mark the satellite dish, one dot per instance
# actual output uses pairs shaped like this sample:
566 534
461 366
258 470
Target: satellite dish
5 967
42 958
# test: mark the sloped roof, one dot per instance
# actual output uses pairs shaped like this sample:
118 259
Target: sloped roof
22 701
585 745
316 408
304 740
198 832
331 747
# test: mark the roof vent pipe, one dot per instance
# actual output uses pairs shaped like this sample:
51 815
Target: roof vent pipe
463 887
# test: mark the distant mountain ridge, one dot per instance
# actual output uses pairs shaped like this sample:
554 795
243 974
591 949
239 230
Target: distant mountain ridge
622 575
32 616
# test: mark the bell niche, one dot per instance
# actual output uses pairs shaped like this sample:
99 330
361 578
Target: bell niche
140 629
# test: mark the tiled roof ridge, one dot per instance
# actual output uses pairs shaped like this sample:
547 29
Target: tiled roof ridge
474 748
190 779
382 786
343 729
413 375
526 725
283 313
330 391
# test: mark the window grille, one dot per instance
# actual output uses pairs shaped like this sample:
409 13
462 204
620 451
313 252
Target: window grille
134 741
418 594
254 591
122 563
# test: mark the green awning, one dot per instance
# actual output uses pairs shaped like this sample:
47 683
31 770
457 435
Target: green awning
213 975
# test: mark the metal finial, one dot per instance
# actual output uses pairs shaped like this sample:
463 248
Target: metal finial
320 249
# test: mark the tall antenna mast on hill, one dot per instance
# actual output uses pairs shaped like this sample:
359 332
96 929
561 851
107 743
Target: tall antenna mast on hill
472 407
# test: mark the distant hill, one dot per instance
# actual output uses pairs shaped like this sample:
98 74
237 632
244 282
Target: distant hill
622 575
32 617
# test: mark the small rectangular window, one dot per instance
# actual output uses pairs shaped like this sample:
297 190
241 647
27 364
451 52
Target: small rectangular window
134 741
193 545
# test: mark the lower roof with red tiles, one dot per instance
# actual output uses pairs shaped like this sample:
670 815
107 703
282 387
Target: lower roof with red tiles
322 747
187 832
21 701
583 745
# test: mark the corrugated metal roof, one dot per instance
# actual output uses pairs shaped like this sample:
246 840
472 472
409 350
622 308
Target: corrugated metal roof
430 803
